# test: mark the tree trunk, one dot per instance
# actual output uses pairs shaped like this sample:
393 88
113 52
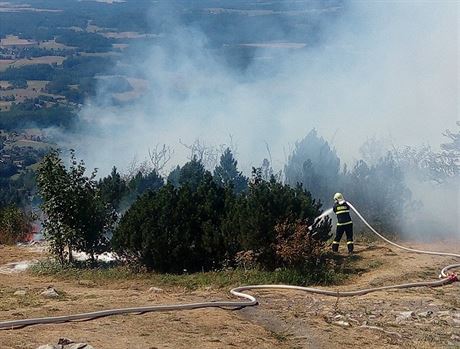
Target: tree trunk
70 254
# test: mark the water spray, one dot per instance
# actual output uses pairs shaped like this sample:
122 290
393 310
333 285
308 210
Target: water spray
445 278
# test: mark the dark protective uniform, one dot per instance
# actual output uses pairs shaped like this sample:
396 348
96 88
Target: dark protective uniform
344 225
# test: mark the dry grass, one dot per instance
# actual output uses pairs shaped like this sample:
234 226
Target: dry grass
285 319
5 64
13 40
52 44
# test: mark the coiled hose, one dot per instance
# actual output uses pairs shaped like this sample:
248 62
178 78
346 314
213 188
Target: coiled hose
445 278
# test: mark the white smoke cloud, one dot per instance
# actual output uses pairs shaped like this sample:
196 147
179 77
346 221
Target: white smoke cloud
384 69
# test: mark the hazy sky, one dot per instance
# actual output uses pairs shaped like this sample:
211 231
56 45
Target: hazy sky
384 69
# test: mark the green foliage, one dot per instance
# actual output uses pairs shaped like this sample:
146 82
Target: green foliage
14 225
120 193
267 204
89 42
174 229
19 191
77 219
28 72
20 117
140 183
226 174
218 279
200 225
113 188
173 177
191 174
84 66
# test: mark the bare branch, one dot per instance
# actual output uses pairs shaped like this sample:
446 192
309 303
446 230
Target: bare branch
160 156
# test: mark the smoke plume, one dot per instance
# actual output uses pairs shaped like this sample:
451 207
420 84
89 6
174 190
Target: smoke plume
374 69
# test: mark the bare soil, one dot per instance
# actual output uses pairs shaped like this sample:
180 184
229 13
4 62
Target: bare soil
415 318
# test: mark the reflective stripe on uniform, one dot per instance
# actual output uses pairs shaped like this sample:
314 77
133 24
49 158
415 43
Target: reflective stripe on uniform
335 242
349 242
350 222
346 211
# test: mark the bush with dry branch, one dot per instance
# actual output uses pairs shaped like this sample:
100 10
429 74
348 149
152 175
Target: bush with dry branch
297 248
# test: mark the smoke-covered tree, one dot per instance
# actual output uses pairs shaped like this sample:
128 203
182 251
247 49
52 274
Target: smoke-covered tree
226 174
113 188
425 164
454 144
314 164
173 177
373 149
140 183
76 218
190 174
378 191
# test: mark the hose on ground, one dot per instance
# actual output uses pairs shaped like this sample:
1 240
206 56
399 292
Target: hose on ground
444 271
248 300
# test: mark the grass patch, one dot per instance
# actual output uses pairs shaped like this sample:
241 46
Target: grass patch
375 264
219 279
279 336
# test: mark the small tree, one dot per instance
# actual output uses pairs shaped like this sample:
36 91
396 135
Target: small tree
226 174
266 204
76 218
379 192
113 188
190 174
14 225
314 164
298 248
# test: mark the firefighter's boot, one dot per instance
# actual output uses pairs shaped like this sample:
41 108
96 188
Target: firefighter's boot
350 246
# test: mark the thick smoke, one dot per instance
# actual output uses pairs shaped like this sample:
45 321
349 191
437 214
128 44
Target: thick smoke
383 69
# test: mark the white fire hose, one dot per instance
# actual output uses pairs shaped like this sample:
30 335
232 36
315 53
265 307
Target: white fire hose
445 278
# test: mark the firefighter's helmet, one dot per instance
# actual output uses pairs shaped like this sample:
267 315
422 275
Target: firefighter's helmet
338 197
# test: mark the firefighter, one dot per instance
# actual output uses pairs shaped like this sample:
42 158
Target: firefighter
344 223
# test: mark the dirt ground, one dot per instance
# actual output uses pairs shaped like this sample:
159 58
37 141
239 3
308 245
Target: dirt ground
415 318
